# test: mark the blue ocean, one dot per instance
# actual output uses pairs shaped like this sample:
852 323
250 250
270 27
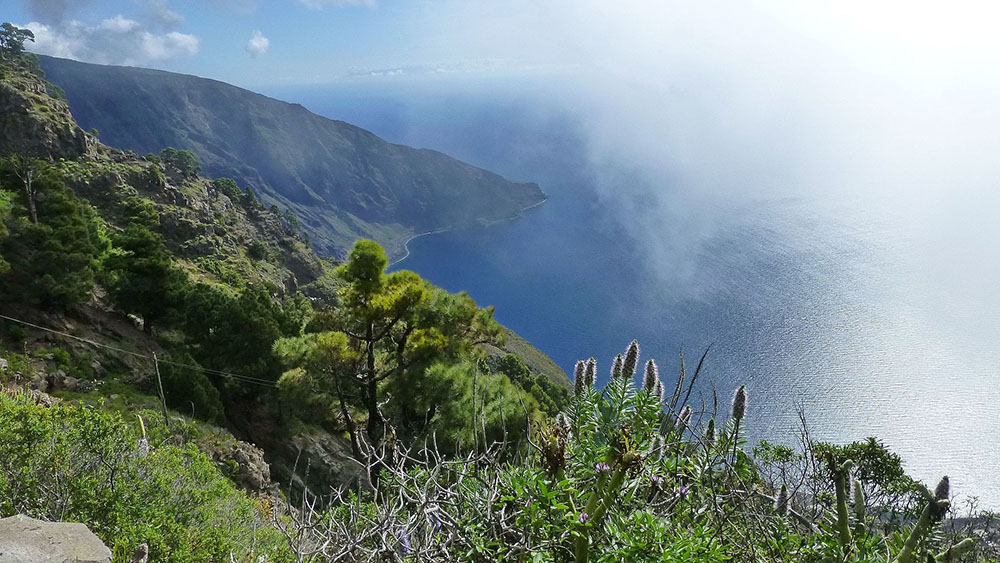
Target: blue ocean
835 306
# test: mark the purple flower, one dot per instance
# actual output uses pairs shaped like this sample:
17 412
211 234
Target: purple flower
651 376
682 491
602 468
580 377
656 480
658 391
740 403
582 518
591 373
631 360
404 538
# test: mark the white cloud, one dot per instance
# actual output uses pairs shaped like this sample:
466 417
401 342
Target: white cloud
258 44
118 25
320 4
117 40
161 14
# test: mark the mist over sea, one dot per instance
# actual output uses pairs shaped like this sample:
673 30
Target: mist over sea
874 310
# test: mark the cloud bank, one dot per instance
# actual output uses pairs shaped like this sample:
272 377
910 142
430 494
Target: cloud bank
116 40
691 107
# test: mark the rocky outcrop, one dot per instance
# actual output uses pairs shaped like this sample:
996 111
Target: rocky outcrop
26 540
244 464
34 124
329 460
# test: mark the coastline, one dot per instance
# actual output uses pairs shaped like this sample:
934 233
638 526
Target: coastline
406 243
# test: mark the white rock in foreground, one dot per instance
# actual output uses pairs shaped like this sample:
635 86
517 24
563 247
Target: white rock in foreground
26 540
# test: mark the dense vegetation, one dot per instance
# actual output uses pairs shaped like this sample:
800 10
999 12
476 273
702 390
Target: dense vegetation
463 454
228 296
77 463
627 473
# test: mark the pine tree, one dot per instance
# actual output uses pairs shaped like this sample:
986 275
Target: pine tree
142 278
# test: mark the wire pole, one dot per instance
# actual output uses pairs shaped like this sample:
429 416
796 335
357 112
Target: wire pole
159 387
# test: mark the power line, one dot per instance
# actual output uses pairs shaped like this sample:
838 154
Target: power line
230 375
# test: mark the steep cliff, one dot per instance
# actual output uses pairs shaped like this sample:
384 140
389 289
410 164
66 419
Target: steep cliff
343 182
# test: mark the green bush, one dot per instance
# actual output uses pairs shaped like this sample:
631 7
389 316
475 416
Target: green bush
184 160
75 463
188 390
228 188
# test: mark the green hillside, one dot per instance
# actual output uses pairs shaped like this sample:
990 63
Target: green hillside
341 181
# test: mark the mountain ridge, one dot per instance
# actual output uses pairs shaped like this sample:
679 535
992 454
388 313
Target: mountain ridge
342 181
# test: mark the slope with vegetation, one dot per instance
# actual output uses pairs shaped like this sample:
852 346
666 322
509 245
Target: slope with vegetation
129 285
123 276
341 181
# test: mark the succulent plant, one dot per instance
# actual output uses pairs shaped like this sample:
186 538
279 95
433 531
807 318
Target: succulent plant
841 473
933 511
860 503
956 552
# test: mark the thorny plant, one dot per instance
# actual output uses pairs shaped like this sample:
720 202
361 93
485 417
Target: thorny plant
636 473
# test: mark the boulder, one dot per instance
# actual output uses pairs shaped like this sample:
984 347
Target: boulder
243 463
26 540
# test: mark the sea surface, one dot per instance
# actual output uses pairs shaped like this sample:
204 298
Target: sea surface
874 313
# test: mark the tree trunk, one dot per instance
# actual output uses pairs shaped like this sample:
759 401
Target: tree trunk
26 173
352 429
376 424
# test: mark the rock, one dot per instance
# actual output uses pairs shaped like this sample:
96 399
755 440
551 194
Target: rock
35 125
40 382
4 365
244 463
329 459
141 555
26 540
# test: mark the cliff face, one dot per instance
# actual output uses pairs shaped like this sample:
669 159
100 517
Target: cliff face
341 181
34 124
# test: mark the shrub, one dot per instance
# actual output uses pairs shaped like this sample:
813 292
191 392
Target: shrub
76 463
628 474
228 188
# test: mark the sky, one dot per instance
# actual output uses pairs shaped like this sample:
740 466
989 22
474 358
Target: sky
263 42
885 100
